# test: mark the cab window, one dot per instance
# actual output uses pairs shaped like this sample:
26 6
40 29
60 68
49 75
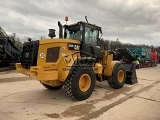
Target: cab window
91 36
73 33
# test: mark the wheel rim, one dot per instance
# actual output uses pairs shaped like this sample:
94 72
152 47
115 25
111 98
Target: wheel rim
120 76
84 82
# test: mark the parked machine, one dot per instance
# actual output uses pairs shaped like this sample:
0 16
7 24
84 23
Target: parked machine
146 56
9 52
154 57
73 61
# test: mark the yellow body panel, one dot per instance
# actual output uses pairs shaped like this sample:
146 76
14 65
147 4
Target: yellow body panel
98 68
58 40
38 72
49 71
109 66
55 73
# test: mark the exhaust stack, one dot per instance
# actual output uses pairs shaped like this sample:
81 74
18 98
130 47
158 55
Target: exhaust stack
60 30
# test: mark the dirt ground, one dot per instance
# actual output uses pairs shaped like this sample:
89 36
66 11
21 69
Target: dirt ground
24 98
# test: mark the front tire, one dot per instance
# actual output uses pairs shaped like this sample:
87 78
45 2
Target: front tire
80 83
118 78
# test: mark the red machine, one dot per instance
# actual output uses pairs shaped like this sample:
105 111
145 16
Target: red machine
154 57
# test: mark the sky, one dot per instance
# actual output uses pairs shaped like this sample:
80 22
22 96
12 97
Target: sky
131 21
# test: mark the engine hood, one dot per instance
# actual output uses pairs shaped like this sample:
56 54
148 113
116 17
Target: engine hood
57 40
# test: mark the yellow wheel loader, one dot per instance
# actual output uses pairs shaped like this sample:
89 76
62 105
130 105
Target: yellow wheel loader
74 61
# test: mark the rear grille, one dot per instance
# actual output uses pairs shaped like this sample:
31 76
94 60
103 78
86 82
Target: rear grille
52 54
29 54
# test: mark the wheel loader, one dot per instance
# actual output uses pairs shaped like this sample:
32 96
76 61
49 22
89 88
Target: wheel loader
74 61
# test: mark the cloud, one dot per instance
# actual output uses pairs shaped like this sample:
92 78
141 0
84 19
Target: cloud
131 21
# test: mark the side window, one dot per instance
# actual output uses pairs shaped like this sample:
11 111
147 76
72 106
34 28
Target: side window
94 37
87 36
73 32
91 36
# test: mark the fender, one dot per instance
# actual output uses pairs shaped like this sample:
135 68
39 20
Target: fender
115 66
111 67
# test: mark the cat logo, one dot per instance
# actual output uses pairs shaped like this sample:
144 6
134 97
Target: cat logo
74 46
27 55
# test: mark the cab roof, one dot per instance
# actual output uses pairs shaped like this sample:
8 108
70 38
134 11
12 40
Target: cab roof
84 23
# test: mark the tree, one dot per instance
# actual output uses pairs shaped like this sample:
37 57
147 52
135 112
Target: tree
18 42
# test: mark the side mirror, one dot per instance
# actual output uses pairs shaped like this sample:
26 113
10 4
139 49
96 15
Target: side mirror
98 41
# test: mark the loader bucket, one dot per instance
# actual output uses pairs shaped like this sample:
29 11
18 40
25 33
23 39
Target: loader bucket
131 76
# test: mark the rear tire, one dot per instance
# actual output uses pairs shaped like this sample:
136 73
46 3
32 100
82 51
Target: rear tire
51 87
80 83
118 78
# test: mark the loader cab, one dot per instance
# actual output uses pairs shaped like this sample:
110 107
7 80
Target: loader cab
88 35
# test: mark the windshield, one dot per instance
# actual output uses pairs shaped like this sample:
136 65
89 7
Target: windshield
73 32
91 36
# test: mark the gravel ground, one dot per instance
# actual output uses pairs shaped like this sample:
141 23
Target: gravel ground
24 98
